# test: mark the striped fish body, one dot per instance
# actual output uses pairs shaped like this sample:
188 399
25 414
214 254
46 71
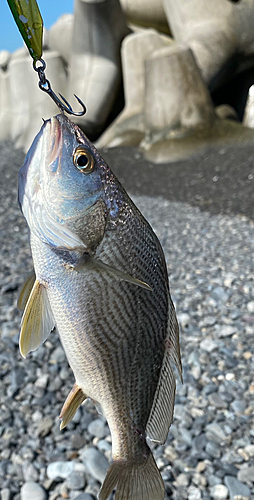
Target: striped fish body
119 337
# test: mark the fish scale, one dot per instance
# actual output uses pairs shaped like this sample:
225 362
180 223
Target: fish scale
101 277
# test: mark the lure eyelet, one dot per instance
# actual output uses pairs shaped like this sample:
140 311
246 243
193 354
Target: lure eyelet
83 160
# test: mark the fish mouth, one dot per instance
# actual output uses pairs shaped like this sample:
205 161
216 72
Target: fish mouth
55 143
59 127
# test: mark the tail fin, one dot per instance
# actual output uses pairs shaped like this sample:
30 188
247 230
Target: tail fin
133 481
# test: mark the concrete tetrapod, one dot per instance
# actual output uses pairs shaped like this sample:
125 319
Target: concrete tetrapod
60 36
20 74
5 56
179 115
248 118
129 127
175 93
146 13
18 53
95 66
28 103
220 33
5 114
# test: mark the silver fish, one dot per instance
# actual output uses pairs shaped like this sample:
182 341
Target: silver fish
100 277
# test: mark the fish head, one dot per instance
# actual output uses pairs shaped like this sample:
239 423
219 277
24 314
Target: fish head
61 182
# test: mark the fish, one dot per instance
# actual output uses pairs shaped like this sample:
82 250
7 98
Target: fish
100 278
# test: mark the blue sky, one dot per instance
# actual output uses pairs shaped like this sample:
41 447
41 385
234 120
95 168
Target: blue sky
10 37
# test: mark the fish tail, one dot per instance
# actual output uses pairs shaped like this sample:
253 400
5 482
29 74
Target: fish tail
133 481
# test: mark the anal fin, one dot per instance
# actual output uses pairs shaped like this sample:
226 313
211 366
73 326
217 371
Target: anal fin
71 404
37 320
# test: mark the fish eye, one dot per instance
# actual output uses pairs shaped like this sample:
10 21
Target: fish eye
83 160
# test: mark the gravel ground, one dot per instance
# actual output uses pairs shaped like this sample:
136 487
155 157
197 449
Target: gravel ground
209 453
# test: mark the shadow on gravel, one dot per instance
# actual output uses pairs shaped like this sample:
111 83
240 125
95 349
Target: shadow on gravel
220 181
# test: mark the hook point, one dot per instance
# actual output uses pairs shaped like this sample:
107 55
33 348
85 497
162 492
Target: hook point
67 107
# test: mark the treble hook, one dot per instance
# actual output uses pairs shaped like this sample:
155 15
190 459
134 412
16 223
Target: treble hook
44 85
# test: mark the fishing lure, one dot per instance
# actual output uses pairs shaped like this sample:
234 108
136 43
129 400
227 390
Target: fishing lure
30 24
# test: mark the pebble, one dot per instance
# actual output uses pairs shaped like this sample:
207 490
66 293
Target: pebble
238 406
243 454
213 450
58 355
76 480
219 492
33 491
182 480
194 493
236 488
214 480
42 381
98 428
250 450
170 453
196 372
104 445
209 389
37 416
183 319
250 306
208 345
93 487
77 441
179 411
95 463
77 417
201 466
30 473
246 475
219 294
59 469
200 442
247 355
215 400
45 426
5 494
209 321
215 433
226 331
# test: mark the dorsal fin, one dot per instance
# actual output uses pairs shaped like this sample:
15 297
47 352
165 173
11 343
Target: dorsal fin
162 411
37 320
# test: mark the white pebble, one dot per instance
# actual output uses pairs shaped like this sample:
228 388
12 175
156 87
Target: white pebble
219 492
32 490
194 493
208 345
250 306
59 469
250 449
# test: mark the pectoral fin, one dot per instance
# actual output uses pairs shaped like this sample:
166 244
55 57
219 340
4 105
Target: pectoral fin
37 320
26 290
72 403
97 265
